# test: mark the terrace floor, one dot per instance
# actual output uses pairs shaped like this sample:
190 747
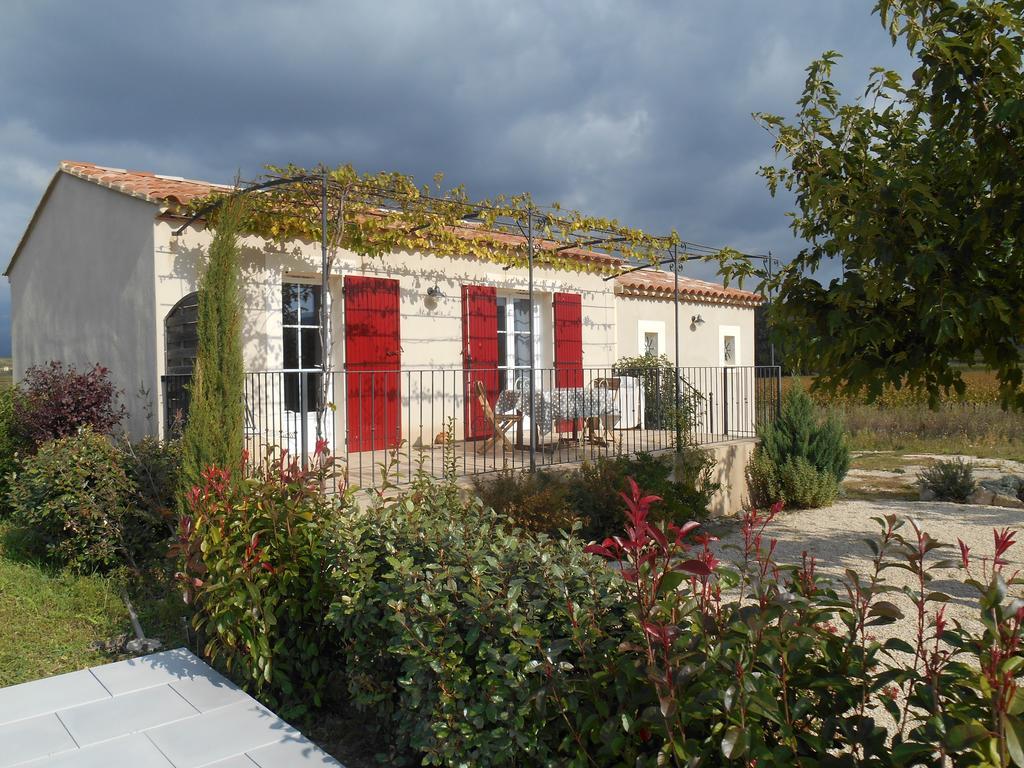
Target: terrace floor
166 710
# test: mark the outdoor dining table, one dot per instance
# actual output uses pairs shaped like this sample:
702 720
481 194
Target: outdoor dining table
552 407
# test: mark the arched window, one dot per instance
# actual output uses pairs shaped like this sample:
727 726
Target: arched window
181 337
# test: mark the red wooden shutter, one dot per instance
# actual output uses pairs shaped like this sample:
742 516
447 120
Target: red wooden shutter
373 363
479 354
568 340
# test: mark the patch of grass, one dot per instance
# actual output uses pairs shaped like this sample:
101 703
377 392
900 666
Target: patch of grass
55 622
884 461
901 421
872 489
1011 448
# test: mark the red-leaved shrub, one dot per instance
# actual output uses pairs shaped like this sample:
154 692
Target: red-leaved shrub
54 400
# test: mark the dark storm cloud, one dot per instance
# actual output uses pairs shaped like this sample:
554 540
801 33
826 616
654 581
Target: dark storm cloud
635 110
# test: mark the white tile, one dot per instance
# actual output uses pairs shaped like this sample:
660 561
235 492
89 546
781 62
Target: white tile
41 697
149 671
209 692
238 761
298 751
220 733
28 739
121 715
134 751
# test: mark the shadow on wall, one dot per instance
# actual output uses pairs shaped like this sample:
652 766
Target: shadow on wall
730 473
187 261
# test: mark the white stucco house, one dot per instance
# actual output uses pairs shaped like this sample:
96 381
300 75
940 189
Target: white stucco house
100 276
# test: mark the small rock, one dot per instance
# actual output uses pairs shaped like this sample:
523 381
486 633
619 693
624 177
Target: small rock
1000 500
144 645
981 496
1007 485
926 494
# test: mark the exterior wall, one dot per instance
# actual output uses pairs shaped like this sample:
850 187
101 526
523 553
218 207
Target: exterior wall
82 291
731 461
722 402
699 343
431 328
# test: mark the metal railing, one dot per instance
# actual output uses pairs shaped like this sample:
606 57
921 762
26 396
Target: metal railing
406 420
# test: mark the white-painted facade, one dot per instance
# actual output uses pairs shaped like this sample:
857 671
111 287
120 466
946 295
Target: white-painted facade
700 324
98 271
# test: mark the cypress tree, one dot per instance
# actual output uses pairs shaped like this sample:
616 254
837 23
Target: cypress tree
214 433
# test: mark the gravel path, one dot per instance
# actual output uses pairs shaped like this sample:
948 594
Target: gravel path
835 536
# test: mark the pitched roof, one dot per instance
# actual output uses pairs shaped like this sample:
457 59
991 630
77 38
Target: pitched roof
152 187
661 285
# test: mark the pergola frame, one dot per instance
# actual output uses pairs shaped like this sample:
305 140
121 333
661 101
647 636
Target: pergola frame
330 198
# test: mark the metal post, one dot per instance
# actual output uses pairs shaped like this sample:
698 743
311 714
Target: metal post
778 391
325 368
770 267
725 401
533 362
303 420
675 314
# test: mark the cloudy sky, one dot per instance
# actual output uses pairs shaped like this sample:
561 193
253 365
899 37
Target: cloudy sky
637 110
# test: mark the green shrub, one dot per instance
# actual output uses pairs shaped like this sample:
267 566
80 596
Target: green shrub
154 466
548 502
11 446
537 501
456 629
804 486
76 502
471 644
799 433
800 460
796 483
657 377
763 482
951 480
594 490
254 557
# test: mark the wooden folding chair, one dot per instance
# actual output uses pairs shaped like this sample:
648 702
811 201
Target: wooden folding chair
604 421
500 423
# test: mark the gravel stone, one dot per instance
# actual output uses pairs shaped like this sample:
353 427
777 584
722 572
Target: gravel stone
835 537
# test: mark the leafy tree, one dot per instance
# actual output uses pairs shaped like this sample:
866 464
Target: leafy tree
214 433
916 190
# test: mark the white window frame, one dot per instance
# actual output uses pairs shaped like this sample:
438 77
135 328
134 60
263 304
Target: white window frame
300 326
509 363
643 327
734 331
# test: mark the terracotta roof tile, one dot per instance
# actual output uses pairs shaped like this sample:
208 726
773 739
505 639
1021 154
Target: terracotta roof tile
658 284
170 190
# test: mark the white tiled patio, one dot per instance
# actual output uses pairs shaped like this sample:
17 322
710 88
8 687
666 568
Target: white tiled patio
166 710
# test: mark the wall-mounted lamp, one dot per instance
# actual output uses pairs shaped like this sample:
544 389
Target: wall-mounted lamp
434 292
696 320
